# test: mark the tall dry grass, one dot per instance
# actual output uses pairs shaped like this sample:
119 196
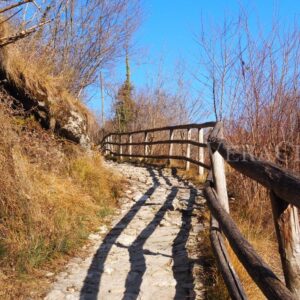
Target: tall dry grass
52 196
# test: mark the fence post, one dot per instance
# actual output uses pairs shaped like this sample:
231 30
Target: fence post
106 146
218 170
188 149
112 147
200 152
287 228
130 146
146 148
171 137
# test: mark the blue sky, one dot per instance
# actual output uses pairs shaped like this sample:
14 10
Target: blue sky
169 28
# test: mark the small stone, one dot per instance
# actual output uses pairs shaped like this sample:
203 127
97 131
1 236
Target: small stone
71 289
108 270
167 283
164 223
49 274
137 196
126 240
198 228
72 297
103 229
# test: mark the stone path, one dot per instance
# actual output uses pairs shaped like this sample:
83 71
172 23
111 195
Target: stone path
150 251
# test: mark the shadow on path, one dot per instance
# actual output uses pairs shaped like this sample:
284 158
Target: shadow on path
91 286
182 267
136 252
161 174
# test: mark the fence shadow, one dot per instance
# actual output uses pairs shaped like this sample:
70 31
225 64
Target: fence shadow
136 252
182 263
91 285
182 267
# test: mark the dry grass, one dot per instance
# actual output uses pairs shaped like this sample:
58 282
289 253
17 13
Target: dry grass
263 243
251 211
265 246
52 195
215 288
33 76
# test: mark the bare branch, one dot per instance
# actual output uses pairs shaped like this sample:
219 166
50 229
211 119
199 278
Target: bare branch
10 17
14 5
20 35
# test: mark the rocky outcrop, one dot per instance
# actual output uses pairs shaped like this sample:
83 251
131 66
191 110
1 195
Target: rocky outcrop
73 126
64 118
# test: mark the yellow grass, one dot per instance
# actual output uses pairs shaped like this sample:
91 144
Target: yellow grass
266 247
53 194
47 210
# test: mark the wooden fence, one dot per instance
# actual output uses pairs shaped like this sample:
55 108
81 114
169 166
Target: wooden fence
284 190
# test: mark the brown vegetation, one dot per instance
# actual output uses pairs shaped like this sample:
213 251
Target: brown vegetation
52 195
254 82
29 80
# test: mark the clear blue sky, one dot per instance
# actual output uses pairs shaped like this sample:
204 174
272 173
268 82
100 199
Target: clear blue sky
168 32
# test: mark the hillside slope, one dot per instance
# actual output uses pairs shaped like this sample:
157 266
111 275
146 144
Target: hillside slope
53 193
29 81
54 187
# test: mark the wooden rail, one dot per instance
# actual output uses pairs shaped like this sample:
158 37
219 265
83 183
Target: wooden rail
112 144
167 128
284 190
283 185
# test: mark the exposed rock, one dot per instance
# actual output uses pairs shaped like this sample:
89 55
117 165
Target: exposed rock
52 106
73 126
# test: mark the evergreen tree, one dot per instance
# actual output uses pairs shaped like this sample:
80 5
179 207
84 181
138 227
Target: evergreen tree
125 105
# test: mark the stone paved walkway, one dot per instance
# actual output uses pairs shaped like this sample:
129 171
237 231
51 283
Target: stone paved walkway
150 252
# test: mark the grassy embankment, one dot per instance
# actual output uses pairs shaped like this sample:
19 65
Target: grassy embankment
53 193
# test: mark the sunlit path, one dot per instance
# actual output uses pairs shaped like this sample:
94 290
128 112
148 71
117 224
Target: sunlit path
150 252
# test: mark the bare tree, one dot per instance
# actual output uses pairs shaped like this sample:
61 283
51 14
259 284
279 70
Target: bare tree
83 37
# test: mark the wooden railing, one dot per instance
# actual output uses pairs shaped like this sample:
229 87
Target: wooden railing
284 190
115 139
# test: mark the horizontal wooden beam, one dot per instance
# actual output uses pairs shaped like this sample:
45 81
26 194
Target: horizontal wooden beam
194 143
186 126
230 277
259 271
284 183
161 157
